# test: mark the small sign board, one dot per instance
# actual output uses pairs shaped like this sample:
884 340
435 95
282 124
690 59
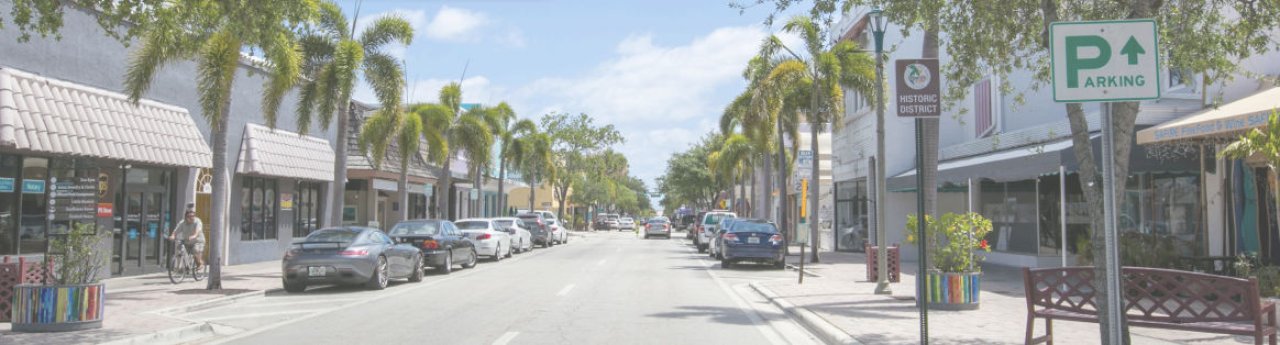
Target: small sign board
32 186
6 184
286 201
1105 61
918 90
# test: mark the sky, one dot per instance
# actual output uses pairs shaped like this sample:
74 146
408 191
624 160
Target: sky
661 71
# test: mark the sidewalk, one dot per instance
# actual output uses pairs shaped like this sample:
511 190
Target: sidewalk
137 306
843 303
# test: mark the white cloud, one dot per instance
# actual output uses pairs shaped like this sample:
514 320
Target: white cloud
456 25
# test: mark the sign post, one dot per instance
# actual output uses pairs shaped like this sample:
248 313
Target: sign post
1106 61
918 95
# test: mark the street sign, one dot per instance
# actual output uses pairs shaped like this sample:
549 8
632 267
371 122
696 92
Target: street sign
918 88
1116 60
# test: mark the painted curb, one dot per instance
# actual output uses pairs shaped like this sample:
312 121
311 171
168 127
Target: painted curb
829 333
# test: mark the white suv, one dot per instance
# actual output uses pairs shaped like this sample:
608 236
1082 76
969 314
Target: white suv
710 221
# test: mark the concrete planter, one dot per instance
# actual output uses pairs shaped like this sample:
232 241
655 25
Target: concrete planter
57 308
954 291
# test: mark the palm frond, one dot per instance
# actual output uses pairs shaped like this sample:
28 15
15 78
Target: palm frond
306 106
385 77
286 59
451 97
160 47
375 133
408 138
216 70
386 29
331 20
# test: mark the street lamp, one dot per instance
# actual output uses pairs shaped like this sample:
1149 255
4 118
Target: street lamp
877 20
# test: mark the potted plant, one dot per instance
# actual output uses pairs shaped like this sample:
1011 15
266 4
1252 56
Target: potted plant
953 278
71 298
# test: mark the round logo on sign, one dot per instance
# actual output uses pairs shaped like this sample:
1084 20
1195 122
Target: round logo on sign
916 76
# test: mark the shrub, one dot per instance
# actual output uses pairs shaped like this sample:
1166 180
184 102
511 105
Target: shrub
952 240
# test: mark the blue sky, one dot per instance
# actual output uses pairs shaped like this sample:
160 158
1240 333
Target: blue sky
659 70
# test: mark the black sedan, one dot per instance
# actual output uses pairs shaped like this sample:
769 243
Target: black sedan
442 244
349 255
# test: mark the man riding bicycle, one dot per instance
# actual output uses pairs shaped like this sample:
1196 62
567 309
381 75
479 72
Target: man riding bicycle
190 232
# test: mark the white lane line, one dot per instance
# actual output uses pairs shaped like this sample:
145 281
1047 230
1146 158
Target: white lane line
770 333
506 338
601 262
272 313
565 290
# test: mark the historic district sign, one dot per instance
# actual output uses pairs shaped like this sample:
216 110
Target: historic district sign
917 88
1105 61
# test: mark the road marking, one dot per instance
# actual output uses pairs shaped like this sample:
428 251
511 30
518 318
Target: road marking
770 332
601 262
565 290
271 313
279 304
506 338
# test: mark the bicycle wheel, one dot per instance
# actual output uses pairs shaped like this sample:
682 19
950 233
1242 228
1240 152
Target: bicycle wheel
199 274
178 268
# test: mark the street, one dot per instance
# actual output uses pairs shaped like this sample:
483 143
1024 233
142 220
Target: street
606 287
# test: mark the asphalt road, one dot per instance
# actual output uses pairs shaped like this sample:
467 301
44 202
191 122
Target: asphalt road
600 288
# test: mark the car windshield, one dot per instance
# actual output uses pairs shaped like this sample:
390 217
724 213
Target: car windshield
658 221
753 227
416 228
472 225
504 223
715 218
333 235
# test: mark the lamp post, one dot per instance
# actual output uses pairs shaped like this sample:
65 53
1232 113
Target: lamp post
882 265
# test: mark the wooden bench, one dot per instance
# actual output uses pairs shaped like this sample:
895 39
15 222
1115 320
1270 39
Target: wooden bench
1153 297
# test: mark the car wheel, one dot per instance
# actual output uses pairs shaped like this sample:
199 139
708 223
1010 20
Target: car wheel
702 248
780 264
725 263
508 252
472 262
417 270
546 243
293 287
448 264
497 254
719 255
379 279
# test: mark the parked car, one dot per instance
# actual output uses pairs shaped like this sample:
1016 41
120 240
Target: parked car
626 223
605 221
695 225
755 240
441 242
490 240
707 227
714 244
349 255
521 238
657 227
686 223
539 229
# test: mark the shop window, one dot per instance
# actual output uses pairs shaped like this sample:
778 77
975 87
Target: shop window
258 209
9 167
35 203
1011 206
307 208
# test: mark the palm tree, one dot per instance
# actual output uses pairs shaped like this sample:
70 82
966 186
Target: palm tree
503 124
729 164
823 76
334 60
471 134
387 124
515 145
534 162
215 34
441 119
436 120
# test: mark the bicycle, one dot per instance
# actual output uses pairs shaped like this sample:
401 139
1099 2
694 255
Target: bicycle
182 265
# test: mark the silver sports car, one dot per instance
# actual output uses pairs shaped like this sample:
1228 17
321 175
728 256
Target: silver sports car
349 255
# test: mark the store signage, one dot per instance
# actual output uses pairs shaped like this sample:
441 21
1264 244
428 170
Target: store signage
918 88
105 210
286 201
1104 61
32 186
6 184
74 198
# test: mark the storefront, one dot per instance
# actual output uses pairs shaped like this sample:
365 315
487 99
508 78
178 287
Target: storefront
72 154
851 217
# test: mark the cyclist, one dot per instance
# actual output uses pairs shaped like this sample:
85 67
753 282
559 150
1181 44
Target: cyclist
190 232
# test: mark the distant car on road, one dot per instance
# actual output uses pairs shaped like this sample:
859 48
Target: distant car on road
707 228
657 227
349 255
716 241
521 238
441 242
538 227
489 239
755 240
626 223
606 221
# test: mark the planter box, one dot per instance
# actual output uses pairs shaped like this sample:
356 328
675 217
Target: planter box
954 291
57 308
873 263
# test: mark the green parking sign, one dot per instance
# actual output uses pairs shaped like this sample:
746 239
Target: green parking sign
1103 61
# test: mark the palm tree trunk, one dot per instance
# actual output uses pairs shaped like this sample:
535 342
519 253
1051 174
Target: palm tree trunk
766 187
815 186
221 193
742 192
477 210
445 184
533 189
502 190
339 186
403 187
783 185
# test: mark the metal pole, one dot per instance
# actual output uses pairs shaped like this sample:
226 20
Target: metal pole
882 256
1062 209
801 279
1112 268
922 243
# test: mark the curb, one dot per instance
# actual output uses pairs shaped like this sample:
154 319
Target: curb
829 333
170 336
806 272
212 303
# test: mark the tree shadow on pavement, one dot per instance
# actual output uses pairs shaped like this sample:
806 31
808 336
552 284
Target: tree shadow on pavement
733 316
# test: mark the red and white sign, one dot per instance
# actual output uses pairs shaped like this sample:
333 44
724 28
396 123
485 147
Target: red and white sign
105 210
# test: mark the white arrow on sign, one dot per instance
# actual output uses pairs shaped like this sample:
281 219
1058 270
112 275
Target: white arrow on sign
1105 61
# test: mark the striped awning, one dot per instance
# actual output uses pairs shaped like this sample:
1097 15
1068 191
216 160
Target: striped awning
47 115
280 153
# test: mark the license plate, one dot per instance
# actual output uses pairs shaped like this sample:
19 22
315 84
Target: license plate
315 271
753 240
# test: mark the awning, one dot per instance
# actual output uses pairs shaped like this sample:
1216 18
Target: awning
268 152
53 116
1225 121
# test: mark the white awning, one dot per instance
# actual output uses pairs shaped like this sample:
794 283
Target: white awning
1227 120
1009 165
54 116
282 153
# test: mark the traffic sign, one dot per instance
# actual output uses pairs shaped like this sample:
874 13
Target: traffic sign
918 88
1117 60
